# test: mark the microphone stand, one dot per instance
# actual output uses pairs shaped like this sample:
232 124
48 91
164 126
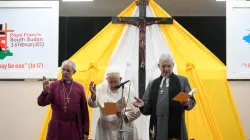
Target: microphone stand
121 131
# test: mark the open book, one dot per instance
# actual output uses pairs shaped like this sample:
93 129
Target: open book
181 97
111 108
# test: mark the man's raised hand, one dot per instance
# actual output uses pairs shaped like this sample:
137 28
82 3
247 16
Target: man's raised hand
45 85
92 88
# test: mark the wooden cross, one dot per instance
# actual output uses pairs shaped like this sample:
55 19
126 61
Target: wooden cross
141 22
4 32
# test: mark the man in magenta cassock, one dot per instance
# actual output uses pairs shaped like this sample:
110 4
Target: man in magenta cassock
70 117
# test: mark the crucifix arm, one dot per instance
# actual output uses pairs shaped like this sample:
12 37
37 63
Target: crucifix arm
128 22
154 22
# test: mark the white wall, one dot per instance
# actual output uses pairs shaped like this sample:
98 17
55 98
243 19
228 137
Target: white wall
21 118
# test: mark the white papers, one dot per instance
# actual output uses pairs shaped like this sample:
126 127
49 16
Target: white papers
192 92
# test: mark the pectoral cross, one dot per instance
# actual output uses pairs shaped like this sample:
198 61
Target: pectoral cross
161 91
67 99
65 108
142 22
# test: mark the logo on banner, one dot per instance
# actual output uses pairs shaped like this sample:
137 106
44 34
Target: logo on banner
246 65
4 49
247 38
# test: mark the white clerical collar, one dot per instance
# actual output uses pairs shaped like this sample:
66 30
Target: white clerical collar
167 81
67 81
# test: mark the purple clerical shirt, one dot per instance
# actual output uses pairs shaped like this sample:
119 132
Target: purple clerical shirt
72 124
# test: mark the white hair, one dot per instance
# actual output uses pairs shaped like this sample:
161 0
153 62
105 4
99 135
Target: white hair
167 57
71 62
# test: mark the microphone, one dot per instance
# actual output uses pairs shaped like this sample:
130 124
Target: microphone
121 84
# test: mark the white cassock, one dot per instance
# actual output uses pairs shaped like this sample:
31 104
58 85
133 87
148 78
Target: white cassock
108 125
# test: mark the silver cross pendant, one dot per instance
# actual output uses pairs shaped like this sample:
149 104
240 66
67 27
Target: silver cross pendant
161 91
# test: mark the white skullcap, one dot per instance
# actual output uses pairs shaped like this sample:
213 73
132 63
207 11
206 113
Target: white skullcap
113 70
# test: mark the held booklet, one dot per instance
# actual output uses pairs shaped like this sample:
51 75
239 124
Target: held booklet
111 108
181 97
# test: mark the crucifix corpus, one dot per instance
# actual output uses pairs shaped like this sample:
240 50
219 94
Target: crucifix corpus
142 22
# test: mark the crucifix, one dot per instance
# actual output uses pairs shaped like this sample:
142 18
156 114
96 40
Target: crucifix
142 22
65 108
67 98
161 91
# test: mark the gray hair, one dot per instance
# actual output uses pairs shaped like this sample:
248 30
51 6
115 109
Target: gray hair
71 62
167 57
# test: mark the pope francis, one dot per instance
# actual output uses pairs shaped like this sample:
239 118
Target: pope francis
108 126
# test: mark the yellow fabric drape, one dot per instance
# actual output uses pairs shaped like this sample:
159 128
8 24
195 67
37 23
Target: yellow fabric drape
92 60
215 116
